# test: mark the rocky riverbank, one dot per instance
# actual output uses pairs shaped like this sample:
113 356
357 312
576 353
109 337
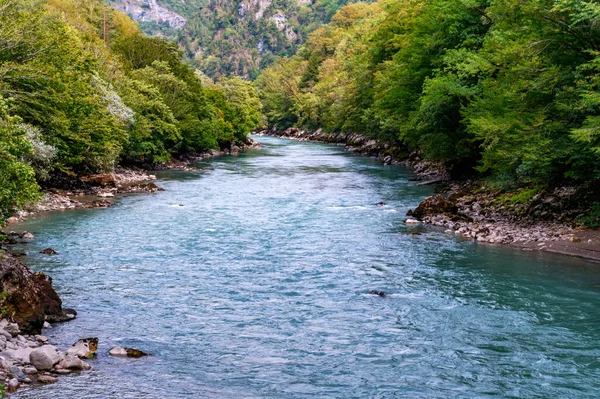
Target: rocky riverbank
533 221
98 190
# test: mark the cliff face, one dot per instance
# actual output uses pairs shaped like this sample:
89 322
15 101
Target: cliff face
223 37
151 11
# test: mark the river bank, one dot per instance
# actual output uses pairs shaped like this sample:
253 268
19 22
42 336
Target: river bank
540 221
98 190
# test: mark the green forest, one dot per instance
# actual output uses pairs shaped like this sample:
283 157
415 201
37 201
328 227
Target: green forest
502 90
223 37
82 91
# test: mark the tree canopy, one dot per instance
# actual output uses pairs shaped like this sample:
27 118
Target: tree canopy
502 89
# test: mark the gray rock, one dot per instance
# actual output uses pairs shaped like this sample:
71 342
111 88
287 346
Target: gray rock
30 370
18 355
13 384
73 362
41 338
85 348
28 236
17 373
45 357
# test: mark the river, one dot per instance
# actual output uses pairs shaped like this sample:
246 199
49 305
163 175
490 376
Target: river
252 280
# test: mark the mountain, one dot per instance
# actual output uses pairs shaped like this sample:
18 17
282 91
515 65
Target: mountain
224 37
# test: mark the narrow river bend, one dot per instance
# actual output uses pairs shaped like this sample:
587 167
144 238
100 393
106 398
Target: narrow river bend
252 281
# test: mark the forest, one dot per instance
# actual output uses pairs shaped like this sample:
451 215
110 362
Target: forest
506 91
223 37
82 91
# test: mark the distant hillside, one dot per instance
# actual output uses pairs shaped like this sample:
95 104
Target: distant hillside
239 37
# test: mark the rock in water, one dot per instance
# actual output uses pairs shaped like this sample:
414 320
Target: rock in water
378 293
29 295
28 236
85 348
48 251
128 352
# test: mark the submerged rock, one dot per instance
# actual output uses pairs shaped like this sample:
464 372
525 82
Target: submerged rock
73 363
46 379
48 251
126 352
378 293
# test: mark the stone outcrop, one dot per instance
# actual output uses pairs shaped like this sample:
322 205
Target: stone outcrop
29 296
435 205
150 11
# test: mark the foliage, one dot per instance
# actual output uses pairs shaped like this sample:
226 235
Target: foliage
228 37
503 89
592 219
17 179
83 99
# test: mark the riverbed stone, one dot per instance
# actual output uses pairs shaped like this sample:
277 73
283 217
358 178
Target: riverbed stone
45 357
13 384
46 379
73 362
85 348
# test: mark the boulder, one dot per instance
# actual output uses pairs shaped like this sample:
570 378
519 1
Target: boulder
435 205
72 362
28 236
45 357
9 329
85 348
17 373
29 295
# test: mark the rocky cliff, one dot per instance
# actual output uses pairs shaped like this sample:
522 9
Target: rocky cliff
28 297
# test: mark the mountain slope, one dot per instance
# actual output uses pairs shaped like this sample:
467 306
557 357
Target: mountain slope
223 37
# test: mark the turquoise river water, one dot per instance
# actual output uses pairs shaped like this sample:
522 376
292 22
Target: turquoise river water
251 281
